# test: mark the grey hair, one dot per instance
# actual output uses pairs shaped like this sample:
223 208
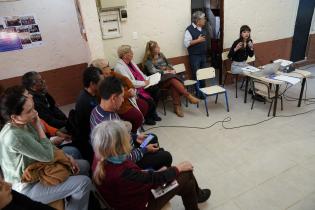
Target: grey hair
99 63
123 49
110 138
197 16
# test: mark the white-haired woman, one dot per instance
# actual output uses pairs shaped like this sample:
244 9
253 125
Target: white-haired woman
125 186
128 68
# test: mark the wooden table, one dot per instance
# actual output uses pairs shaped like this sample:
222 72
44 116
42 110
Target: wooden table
297 73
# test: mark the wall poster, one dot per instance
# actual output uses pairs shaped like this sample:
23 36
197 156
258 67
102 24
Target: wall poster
19 32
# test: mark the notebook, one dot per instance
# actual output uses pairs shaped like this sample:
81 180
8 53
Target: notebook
154 79
162 190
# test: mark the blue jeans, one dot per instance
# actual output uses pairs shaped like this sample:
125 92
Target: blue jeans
73 151
197 62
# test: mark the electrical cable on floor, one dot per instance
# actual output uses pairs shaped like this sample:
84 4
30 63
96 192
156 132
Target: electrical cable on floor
310 100
228 119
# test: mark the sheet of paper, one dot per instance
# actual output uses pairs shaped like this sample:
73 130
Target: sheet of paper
283 62
163 190
291 80
250 69
154 79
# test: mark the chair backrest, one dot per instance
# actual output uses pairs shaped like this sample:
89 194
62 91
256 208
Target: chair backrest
224 55
261 86
251 59
205 73
179 68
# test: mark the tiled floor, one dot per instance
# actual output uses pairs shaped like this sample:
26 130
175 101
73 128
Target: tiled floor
269 166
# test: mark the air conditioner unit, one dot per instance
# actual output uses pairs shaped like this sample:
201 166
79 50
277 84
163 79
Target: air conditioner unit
108 4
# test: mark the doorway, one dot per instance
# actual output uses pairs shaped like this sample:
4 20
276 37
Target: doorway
302 29
214 27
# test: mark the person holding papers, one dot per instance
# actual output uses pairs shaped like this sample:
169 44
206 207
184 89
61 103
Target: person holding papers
240 50
155 62
128 68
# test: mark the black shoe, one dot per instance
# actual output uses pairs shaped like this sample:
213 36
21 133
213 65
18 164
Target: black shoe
203 195
156 118
149 121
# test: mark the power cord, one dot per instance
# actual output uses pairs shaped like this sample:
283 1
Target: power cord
228 119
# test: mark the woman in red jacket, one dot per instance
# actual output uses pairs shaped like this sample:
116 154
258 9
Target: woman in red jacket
125 186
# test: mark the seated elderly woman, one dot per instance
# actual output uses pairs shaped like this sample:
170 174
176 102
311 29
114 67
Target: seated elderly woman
133 109
125 186
128 68
24 143
154 61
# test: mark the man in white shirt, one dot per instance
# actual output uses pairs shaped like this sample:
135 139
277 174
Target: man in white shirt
196 43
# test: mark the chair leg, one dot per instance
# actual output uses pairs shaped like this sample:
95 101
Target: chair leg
216 98
242 83
224 79
270 107
236 78
226 102
189 90
253 103
163 102
281 103
206 106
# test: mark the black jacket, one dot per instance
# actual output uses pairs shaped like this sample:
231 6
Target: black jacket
241 54
47 110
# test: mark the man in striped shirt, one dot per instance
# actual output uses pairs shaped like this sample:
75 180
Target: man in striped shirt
112 96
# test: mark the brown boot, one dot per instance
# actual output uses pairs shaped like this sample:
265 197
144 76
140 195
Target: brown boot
178 111
192 99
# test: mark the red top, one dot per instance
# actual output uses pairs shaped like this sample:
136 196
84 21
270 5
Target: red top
126 186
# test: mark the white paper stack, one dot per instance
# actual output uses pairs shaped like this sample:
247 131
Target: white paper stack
291 80
154 79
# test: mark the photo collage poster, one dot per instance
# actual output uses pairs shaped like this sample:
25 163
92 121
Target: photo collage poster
19 32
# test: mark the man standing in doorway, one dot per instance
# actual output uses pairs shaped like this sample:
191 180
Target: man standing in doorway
196 43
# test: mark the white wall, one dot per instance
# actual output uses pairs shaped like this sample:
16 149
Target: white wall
62 41
92 29
268 19
163 21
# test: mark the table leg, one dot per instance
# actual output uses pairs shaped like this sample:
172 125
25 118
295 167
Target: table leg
246 89
301 93
276 100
